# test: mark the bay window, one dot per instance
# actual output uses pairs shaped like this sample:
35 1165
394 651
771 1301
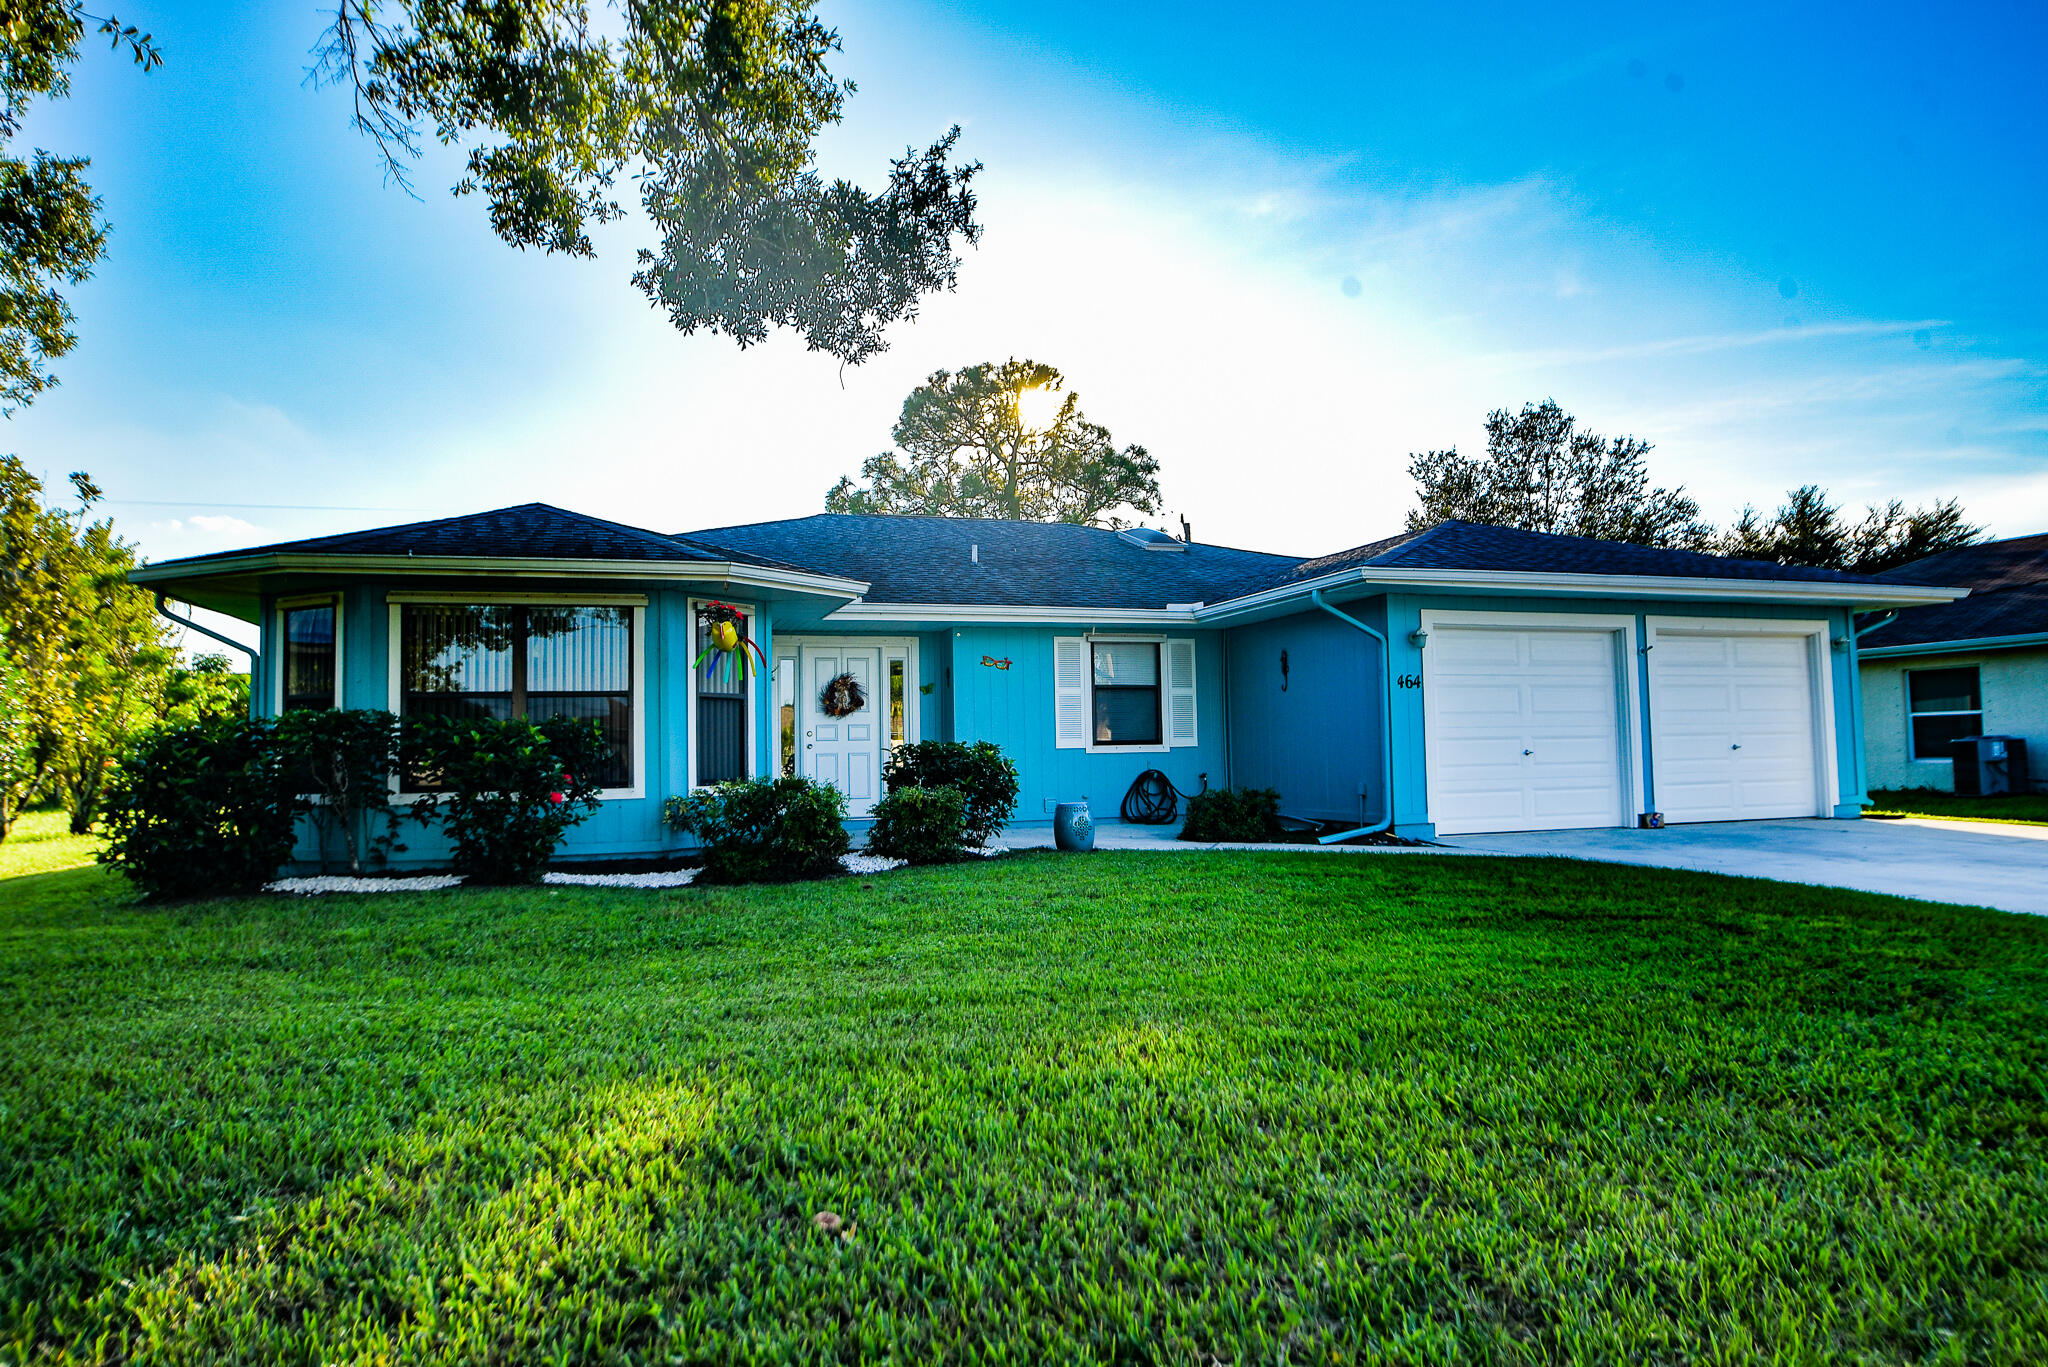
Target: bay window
311 656
532 660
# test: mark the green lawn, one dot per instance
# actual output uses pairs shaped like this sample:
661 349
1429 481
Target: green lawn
42 842
2028 809
1133 1107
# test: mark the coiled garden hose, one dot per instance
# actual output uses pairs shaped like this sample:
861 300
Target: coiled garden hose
1153 800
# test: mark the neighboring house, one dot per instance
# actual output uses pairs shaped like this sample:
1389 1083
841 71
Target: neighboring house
1968 668
1464 678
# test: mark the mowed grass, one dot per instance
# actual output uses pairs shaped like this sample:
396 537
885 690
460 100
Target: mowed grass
42 842
1121 1107
2030 809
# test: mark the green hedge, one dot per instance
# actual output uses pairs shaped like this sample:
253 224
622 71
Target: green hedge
763 830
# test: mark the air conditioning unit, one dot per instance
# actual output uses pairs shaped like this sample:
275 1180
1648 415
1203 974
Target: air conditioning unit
1989 766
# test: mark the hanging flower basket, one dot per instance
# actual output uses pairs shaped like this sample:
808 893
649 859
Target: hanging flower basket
728 638
842 697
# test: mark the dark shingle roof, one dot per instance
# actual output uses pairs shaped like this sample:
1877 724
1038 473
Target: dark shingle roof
2008 583
909 559
533 531
1477 546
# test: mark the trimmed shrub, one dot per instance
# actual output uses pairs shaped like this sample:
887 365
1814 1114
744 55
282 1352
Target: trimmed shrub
505 792
981 773
1241 814
920 825
205 807
764 830
346 759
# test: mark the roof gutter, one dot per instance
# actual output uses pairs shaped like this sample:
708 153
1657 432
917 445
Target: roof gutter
163 610
1387 726
762 576
1962 647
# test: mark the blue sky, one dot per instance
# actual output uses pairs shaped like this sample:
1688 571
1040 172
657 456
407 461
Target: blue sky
1282 249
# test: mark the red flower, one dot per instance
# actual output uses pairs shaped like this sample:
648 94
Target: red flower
556 797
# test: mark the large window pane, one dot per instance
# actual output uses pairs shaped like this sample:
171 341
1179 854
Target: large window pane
1932 736
1127 663
1944 690
721 709
518 660
309 657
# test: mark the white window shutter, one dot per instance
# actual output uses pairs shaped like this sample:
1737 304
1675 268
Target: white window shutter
1070 692
1180 692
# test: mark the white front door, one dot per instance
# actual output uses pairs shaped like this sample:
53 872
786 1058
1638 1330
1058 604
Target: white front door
1732 722
1523 729
844 751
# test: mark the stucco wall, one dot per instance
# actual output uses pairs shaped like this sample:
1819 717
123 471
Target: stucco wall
2014 685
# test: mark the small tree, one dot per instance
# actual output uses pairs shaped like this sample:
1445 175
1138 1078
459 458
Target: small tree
208 687
970 445
345 759
1542 474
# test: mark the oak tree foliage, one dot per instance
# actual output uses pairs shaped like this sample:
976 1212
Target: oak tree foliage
967 446
51 231
1541 473
707 109
1809 530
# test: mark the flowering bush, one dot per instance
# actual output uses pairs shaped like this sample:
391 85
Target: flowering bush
505 792
762 830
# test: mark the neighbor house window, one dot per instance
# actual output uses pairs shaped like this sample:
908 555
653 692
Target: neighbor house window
309 657
1944 706
537 661
1126 693
721 708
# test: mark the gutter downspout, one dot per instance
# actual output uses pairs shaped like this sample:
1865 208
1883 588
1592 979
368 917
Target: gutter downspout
163 610
1856 634
1387 737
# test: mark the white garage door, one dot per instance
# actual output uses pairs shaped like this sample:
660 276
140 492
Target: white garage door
1524 730
1731 722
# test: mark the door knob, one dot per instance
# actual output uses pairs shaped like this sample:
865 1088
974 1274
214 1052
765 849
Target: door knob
1528 752
1735 746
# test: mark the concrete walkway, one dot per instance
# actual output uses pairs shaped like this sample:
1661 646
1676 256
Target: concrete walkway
1978 863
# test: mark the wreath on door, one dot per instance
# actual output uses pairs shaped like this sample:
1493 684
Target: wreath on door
843 696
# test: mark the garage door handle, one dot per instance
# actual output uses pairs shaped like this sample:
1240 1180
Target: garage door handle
1528 752
1735 746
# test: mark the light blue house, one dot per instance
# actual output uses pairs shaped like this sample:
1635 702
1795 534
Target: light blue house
1460 679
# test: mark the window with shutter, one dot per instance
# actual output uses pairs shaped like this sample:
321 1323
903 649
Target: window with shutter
1180 692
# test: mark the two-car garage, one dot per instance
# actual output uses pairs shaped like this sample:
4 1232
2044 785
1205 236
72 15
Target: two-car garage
1547 721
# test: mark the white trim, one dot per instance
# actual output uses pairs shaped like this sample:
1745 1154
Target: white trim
1585 585
580 600
1622 626
723 571
1970 646
282 661
1820 668
395 695
953 613
1089 642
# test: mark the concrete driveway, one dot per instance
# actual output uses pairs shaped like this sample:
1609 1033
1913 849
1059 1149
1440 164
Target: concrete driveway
1975 862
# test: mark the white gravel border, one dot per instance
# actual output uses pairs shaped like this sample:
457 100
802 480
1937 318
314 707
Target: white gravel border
670 878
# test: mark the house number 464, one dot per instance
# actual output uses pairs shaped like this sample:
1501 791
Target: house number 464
1410 681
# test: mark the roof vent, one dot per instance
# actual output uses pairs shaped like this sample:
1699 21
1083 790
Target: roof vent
1150 538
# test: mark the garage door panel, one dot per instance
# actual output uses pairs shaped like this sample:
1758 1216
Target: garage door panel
1523 729
1478 649
1732 726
